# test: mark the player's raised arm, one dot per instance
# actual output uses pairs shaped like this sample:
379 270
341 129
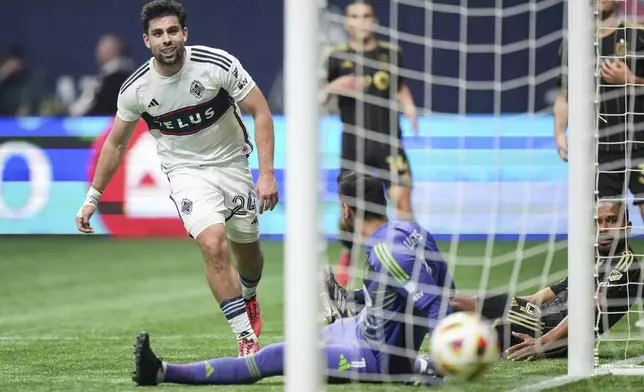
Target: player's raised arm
244 90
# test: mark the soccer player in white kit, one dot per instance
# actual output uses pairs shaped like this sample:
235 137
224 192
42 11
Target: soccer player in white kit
190 98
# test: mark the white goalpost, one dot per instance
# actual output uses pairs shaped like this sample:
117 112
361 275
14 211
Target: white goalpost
302 358
582 144
508 214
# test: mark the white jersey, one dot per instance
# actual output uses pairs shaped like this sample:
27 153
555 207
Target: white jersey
193 114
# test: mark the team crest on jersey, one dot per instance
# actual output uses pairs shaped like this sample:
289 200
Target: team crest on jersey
620 48
197 89
615 275
186 206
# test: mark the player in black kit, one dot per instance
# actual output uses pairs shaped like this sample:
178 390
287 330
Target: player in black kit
364 74
620 152
536 326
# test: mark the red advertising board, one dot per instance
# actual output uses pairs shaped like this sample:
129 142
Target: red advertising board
137 200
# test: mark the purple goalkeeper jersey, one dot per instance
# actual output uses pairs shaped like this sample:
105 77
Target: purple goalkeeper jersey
406 290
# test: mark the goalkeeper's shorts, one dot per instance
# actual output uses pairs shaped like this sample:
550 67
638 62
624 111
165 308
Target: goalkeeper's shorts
518 315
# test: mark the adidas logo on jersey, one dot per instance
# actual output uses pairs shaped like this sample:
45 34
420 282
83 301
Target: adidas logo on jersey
153 103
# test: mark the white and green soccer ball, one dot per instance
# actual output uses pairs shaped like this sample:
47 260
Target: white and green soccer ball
463 346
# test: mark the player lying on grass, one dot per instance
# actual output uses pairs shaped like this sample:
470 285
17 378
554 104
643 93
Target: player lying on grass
406 282
536 326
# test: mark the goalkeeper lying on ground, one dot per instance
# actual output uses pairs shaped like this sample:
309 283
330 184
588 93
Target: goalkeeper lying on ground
536 326
406 291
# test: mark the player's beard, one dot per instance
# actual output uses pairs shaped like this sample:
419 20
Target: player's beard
614 247
609 12
347 226
176 57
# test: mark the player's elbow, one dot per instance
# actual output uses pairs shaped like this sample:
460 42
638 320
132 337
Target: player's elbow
255 104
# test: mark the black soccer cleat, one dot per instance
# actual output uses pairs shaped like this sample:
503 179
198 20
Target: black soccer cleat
147 364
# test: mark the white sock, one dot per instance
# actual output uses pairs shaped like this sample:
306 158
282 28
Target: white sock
161 372
235 311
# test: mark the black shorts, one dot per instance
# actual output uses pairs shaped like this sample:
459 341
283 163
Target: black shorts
612 184
377 159
517 315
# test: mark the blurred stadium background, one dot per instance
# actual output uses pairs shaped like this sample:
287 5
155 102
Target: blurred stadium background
496 149
484 163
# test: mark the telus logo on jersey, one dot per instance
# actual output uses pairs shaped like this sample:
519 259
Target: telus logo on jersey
191 119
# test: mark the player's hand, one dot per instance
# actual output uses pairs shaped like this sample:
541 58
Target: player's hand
348 85
562 146
267 192
616 72
410 113
527 350
83 217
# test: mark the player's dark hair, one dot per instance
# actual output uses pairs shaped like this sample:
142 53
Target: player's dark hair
365 2
354 187
162 8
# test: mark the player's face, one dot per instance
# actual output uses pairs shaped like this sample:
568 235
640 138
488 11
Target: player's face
611 228
166 39
360 21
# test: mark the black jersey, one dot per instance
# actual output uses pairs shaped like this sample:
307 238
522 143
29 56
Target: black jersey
618 106
618 280
380 71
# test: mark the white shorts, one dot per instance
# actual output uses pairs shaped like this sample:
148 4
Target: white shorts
207 196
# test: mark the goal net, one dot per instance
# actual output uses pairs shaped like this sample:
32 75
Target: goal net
488 182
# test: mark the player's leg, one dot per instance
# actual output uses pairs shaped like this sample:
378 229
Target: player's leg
250 261
343 362
242 231
201 208
149 370
399 184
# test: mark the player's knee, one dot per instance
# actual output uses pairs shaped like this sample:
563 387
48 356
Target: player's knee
247 252
213 244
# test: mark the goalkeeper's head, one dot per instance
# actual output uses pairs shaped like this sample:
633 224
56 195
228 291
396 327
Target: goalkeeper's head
613 225
362 200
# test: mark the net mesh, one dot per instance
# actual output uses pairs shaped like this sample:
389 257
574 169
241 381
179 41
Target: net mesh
619 171
487 181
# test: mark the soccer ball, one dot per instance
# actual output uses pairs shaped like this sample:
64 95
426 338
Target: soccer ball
463 345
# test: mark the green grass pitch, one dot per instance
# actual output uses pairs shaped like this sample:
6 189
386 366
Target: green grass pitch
70 308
